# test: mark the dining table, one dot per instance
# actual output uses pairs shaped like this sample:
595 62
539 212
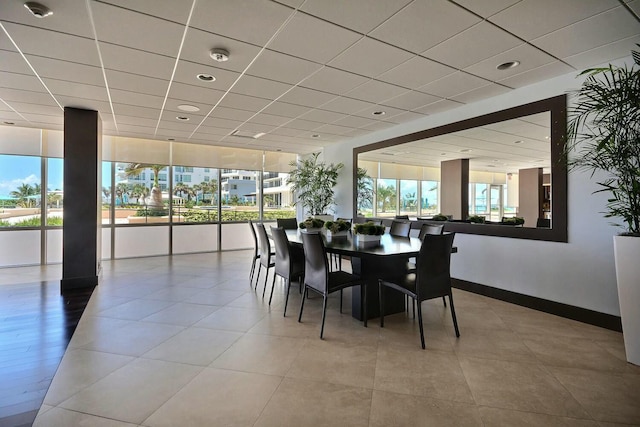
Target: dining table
386 260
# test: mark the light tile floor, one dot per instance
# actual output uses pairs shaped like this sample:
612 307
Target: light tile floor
185 341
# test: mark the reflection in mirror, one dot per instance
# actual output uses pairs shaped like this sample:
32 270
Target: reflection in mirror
497 169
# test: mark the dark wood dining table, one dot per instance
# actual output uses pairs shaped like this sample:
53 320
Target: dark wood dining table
372 261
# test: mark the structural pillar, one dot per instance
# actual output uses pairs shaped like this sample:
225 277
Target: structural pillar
454 188
530 195
81 232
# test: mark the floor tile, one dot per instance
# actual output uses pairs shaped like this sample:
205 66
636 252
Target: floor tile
214 296
136 309
139 338
493 344
181 314
310 403
59 417
217 397
494 417
133 392
232 319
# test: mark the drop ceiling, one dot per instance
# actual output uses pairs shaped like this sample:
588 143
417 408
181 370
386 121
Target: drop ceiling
307 74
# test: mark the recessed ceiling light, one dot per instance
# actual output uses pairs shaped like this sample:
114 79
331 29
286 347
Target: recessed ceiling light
546 137
206 78
508 65
220 55
315 135
518 141
443 154
182 118
189 108
38 10
379 113
277 149
9 123
491 166
171 139
465 150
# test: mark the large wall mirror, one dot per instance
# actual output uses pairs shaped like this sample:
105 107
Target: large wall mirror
492 168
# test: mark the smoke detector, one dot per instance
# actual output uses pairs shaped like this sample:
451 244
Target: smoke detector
38 10
220 55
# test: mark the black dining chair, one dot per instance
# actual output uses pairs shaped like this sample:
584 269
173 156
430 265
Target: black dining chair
432 278
337 258
411 266
266 255
402 217
256 252
318 277
289 262
400 228
287 223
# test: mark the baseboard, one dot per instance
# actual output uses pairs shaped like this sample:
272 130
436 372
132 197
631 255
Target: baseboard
584 315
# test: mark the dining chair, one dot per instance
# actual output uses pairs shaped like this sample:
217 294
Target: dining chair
432 278
402 216
266 255
287 223
289 262
318 277
400 228
411 265
337 258
256 252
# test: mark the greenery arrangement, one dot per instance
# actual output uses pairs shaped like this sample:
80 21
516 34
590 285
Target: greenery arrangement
476 219
604 134
337 226
311 223
439 217
313 181
369 229
516 220
364 188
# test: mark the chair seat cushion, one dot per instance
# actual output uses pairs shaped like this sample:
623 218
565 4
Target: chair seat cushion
405 284
340 280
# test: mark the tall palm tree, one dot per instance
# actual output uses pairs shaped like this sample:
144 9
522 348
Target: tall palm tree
364 189
135 169
179 189
140 191
122 189
23 193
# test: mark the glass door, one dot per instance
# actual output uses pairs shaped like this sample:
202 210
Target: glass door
495 197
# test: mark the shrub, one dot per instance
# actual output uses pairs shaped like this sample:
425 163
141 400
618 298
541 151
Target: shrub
477 219
369 229
336 226
311 223
439 217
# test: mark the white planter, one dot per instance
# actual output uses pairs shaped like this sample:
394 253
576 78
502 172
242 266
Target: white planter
367 240
331 235
627 255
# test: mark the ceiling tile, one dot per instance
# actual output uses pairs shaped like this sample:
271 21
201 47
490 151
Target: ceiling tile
486 8
70 17
479 42
603 54
256 86
308 97
48 109
254 21
372 108
282 68
63 70
283 131
219 123
322 116
355 121
21 81
438 107
243 102
424 24
333 129
345 105
139 121
286 110
313 39
136 83
529 58
187 72
270 119
165 9
407 116
300 124
50 44
39 118
12 61
231 113
134 98
544 72
375 91
453 84
533 18
88 104
334 81
411 100
481 93
198 45
159 36
602 29
360 15
370 57
76 90
195 94
136 62
135 111
30 97
416 72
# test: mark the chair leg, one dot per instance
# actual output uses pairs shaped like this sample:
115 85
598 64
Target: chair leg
340 301
381 304
420 323
266 277
413 303
364 303
324 314
258 277
287 283
444 301
273 285
304 296
253 269
453 315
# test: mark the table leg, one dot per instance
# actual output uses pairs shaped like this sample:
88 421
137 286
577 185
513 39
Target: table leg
370 269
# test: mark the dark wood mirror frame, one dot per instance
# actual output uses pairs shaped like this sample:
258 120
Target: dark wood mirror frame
558 108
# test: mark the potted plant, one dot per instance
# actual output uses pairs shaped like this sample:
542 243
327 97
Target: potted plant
476 219
311 224
604 137
313 182
337 228
516 220
439 217
368 232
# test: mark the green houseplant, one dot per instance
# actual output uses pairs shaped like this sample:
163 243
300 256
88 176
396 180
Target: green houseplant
311 224
368 233
338 227
313 182
604 138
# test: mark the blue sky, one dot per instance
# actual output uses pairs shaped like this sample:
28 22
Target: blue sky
18 170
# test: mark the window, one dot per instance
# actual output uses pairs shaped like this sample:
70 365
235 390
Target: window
240 196
408 197
386 197
429 198
276 197
55 194
194 198
20 191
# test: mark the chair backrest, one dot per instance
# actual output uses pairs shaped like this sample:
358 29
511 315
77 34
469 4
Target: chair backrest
402 216
430 229
400 228
433 277
255 238
287 223
265 246
283 254
316 266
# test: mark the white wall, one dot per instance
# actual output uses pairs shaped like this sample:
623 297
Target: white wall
580 272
